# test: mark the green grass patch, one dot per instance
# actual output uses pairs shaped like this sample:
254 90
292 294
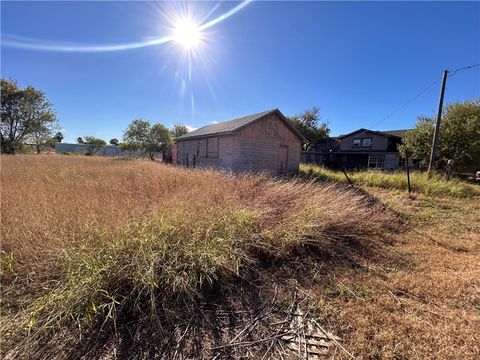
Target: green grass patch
148 269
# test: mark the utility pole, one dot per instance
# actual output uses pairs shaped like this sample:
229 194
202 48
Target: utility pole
436 131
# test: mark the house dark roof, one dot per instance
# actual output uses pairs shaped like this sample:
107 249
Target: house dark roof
396 133
230 126
330 143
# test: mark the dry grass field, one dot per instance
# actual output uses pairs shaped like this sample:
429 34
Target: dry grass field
112 258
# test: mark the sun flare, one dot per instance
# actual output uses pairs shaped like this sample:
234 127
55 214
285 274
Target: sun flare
187 33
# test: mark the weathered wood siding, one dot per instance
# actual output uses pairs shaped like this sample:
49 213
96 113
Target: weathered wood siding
257 146
174 154
213 151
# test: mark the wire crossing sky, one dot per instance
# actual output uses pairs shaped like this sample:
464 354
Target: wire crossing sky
450 74
364 64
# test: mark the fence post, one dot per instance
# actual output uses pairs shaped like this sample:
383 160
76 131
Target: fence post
344 173
408 170
449 169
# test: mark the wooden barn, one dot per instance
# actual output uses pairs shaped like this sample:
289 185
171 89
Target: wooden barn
262 141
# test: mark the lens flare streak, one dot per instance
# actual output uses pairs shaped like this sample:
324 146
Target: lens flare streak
36 44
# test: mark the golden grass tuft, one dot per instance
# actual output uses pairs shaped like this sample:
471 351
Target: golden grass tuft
88 241
420 183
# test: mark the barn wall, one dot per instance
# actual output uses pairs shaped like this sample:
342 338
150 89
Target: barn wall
256 147
174 154
213 151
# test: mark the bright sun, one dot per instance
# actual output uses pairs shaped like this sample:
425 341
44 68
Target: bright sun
187 33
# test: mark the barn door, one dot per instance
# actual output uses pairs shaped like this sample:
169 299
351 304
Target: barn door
282 159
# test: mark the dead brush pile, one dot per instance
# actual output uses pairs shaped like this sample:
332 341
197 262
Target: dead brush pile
90 244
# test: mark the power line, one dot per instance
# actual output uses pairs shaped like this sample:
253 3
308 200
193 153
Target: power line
401 106
451 73
406 103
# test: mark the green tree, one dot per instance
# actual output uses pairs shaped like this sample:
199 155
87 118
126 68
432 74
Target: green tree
26 116
179 130
93 145
142 136
459 137
135 135
58 138
114 141
308 123
40 136
159 139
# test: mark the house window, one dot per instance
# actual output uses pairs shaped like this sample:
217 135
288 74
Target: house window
367 142
212 147
272 128
363 142
376 161
401 161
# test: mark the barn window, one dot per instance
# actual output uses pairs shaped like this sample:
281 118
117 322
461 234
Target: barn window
272 128
212 147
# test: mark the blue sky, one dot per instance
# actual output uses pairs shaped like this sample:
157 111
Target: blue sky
357 61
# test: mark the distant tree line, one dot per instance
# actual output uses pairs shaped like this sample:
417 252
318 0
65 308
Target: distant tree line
28 118
140 136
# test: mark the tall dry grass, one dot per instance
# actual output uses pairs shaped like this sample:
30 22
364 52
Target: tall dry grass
87 241
420 182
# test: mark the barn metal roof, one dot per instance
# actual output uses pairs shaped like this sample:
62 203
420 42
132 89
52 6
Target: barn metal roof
230 126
